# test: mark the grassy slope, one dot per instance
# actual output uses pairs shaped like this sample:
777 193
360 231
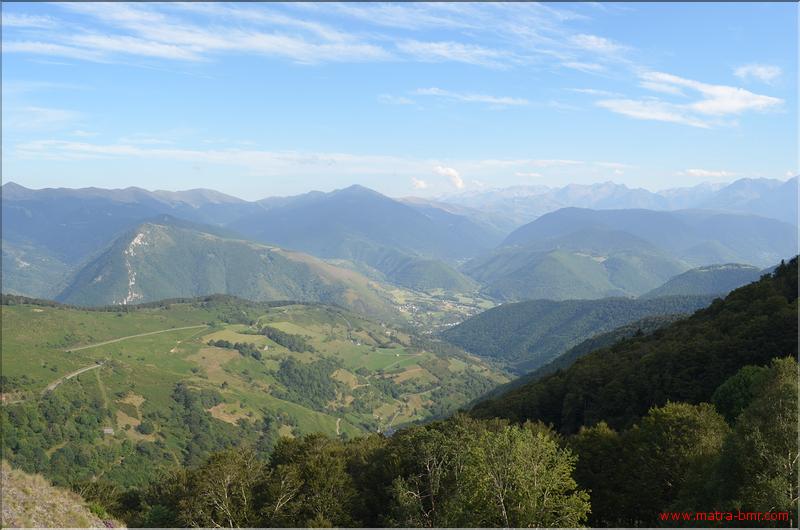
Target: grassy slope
139 374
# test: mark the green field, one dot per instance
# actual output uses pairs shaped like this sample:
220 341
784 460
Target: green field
351 376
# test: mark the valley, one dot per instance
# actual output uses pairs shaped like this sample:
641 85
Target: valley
259 370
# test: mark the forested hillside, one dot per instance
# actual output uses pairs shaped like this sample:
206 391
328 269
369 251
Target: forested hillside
712 279
530 334
684 362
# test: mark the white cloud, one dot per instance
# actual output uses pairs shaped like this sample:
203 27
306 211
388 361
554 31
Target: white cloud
452 174
594 92
19 20
715 102
596 44
706 173
471 98
527 174
766 73
395 100
664 88
453 51
717 99
418 184
584 67
652 109
52 49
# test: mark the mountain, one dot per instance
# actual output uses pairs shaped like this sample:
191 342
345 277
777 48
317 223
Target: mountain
47 233
529 334
765 197
683 362
589 263
771 198
699 237
170 258
361 225
712 279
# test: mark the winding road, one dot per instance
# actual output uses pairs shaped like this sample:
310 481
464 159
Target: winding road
133 337
52 386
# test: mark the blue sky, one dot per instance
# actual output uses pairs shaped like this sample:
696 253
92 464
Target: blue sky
409 99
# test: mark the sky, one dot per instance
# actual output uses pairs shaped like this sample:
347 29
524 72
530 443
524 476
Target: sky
425 99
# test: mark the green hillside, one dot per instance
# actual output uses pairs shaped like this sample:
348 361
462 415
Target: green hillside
173 381
170 260
713 279
581 265
685 361
601 340
530 334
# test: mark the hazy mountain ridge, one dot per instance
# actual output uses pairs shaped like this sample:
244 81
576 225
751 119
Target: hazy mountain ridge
521 204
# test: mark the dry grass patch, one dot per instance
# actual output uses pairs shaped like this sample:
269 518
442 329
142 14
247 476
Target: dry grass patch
228 412
343 376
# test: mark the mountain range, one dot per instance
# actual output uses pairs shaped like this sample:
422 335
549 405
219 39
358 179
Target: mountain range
522 204
55 241
583 253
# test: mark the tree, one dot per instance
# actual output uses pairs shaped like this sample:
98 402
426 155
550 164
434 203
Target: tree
518 476
222 491
759 467
667 457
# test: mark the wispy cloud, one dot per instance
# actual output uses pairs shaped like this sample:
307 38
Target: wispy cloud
35 118
765 73
706 173
597 44
21 20
471 98
715 102
584 67
453 51
510 34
